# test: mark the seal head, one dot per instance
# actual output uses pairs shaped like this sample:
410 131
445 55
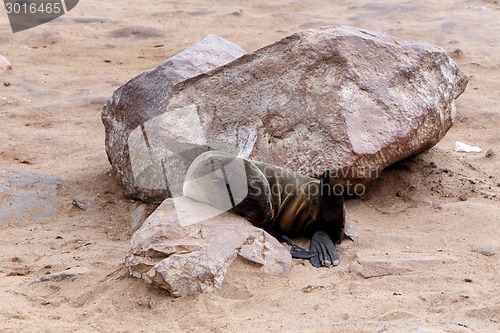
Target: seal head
232 183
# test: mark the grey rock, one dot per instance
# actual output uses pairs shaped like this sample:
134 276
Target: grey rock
127 114
350 231
27 195
491 152
186 247
483 249
84 202
369 265
339 98
69 274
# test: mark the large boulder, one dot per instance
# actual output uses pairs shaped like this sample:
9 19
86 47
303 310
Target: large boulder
186 247
339 98
144 98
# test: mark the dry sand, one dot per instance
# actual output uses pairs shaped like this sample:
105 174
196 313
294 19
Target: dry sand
64 71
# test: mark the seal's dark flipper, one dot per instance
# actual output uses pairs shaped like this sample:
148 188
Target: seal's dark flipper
274 230
302 254
295 246
298 252
325 253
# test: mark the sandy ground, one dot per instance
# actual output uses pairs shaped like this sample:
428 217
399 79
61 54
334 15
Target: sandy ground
440 202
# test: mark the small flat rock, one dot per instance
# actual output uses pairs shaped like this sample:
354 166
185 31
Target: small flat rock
84 202
27 195
186 247
350 231
69 274
369 265
487 250
5 64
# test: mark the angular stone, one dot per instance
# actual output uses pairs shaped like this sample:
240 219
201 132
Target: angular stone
27 195
145 97
369 265
5 64
339 98
186 247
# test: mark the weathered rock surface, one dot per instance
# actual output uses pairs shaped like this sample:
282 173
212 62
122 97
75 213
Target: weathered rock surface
369 265
5 64
137 216
142 99
27 195
186 247
339 98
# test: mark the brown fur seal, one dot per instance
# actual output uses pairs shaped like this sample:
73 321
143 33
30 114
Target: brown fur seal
283 202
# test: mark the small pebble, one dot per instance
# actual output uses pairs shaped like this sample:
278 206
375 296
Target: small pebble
490 152
5 64
457 54
83 202
6 84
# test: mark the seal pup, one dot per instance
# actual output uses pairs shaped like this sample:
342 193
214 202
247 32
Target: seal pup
282 202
